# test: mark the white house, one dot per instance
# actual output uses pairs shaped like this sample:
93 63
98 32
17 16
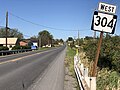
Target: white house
11 42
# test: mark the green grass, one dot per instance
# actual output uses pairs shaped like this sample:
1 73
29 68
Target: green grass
71 52
107 78
70 60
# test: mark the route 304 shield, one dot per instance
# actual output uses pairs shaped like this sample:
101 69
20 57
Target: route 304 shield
104 22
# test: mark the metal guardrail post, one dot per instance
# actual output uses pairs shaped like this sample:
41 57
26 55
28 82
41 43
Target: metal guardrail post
14 51
85 82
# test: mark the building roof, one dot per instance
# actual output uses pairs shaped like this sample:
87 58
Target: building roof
10 41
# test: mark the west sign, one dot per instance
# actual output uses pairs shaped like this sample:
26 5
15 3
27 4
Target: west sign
107 8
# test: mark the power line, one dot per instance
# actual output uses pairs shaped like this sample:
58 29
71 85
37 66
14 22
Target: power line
13 29
44 25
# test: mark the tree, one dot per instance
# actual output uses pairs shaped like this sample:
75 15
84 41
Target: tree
88 38
57 41
45 37
11 33
70 39
61 40
34 37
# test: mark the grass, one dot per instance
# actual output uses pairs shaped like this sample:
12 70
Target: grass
70 52
69 63
107 79
69 60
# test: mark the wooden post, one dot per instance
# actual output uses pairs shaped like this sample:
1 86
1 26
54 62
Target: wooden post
78 38
97 55
6 27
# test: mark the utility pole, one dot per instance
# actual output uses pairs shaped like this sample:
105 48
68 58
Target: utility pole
6 27
74 40
40 42
78 38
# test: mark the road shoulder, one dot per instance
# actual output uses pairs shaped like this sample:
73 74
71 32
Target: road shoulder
53 77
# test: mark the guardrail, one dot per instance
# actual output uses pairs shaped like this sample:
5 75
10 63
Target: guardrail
8 52
85 82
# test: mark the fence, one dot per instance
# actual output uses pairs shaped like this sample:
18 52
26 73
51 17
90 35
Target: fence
8 52
85 82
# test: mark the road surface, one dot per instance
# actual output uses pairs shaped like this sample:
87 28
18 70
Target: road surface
33 70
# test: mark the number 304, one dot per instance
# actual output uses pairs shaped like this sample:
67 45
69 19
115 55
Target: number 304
104 22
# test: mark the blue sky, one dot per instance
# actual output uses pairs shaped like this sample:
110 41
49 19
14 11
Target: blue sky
68 15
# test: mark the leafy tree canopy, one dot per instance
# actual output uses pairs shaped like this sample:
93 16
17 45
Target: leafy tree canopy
45 37
11 33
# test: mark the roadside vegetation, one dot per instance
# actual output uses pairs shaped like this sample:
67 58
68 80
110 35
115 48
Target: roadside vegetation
3 48
70 78
108 69
70 60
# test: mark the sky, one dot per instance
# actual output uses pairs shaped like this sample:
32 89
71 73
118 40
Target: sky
62 18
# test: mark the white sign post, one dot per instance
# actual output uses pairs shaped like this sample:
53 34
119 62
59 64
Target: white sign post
104 20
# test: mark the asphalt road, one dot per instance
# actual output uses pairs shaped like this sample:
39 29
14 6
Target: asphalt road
33 71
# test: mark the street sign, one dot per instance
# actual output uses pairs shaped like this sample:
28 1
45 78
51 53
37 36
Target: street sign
104 22
107 8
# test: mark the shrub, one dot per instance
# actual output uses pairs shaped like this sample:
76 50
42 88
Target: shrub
16 47
25 47
21 47
2 48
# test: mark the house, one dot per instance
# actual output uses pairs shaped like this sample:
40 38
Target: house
23 43
11 42
34 42
29 42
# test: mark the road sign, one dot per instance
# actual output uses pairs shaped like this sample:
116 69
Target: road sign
107 8
104 22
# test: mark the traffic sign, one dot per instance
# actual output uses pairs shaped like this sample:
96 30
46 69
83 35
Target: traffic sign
107 8
104 22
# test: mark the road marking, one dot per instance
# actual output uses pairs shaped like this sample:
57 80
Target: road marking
4 62
17 59
14 60
14 54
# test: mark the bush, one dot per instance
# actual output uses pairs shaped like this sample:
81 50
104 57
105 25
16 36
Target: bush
108 63
25 47
2 48
21 47
16 47
107 79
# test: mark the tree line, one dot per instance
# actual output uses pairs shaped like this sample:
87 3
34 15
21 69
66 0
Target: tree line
44 37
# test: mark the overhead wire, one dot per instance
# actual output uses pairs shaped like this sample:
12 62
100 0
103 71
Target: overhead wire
14 29
45 25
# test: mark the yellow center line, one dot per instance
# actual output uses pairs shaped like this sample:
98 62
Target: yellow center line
14 60
4 62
